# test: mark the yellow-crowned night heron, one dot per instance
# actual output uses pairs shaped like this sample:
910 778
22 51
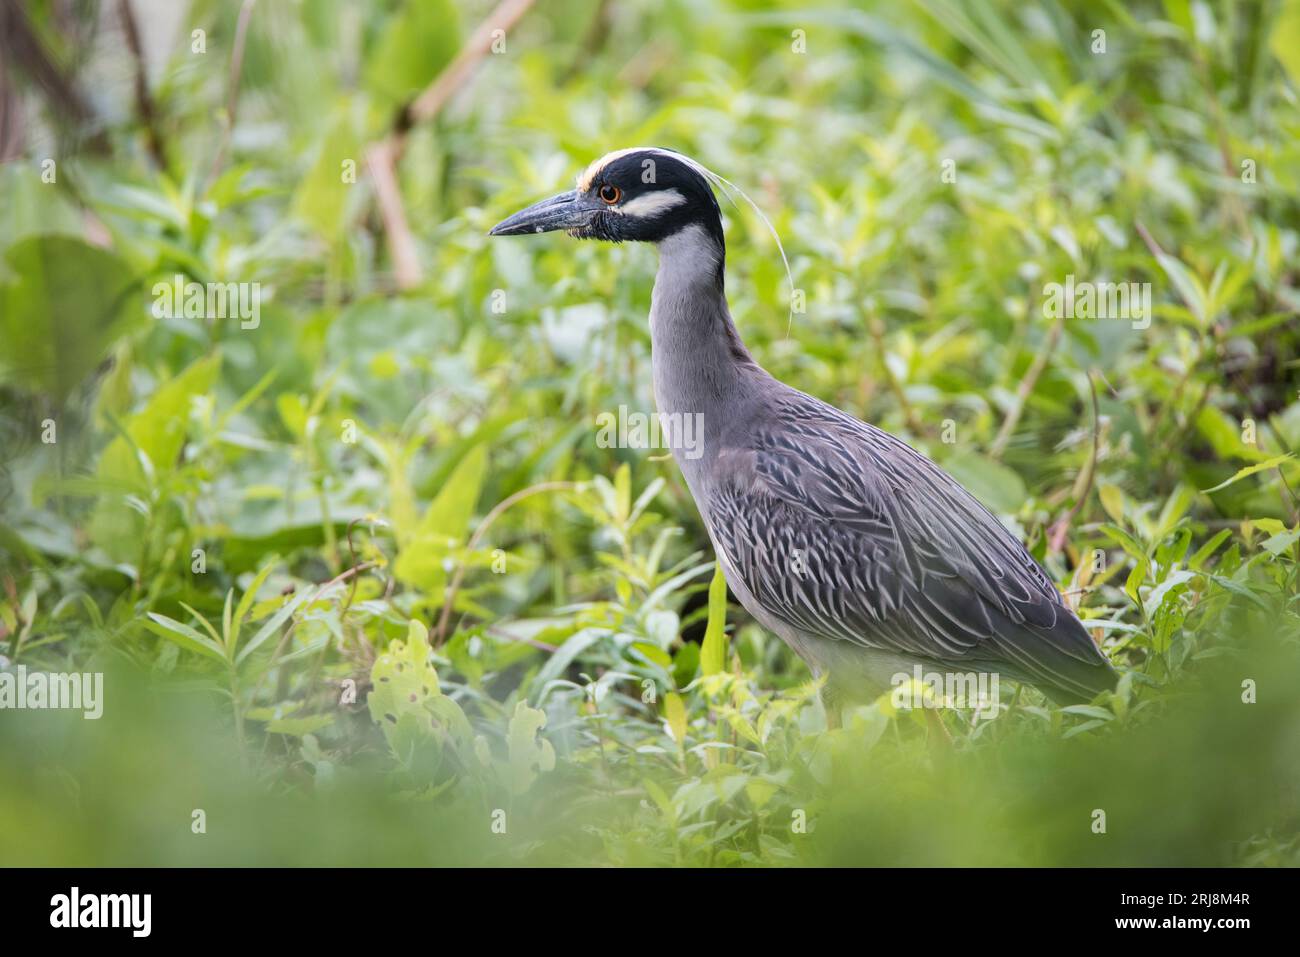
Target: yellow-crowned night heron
858 551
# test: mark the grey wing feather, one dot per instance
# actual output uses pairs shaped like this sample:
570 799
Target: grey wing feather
844 532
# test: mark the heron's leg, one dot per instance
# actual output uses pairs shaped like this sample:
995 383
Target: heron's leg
938 730
831 703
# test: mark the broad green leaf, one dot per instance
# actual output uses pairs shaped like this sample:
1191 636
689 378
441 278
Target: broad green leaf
148 450
675 716
404 688
426 555
417 41
67 305
449 513
1285 39
997 486
321 198
1156 597
1112 500
1280 542
530 753
1224 435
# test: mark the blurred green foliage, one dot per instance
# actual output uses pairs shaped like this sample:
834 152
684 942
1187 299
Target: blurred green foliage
255 531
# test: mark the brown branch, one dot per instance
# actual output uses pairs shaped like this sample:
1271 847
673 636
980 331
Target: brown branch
597 34
444 620
430 103
1057 540
1167 408
22 46
1151 244
232 86
346 574
877 329
143 99
381 160
1026 387
12 127
382 157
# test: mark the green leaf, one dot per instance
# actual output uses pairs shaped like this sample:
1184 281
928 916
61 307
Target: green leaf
425 554
407 703
623 493
69 303
1280 542
1285 39
227 629
1175 508
185 636
1203 553
1242 591
713 650
1189 287
675 717
1124 540
147 450
250 596
1224 435
273 624
1089 711
1134 581
1156 597
1251 470
530 753
555 666
415 44
298 727
321 199
1112 500
997 486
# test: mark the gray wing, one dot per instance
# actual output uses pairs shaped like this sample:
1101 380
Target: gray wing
846 533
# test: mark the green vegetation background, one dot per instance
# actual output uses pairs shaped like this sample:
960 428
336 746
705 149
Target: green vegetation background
254 532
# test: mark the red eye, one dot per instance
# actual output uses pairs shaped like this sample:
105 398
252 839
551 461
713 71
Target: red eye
610 194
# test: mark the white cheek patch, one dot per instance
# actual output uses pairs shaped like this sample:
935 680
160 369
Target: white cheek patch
651 204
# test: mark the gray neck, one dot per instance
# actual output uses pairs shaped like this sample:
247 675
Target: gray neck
700 363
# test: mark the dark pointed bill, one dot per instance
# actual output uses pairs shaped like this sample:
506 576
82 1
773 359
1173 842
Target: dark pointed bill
565 211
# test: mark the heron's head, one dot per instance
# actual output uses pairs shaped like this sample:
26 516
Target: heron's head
643 194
